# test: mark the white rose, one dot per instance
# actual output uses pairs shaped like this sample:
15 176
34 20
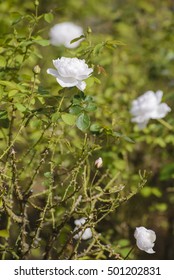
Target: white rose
63 33
70 72
147 107
145 239
84 234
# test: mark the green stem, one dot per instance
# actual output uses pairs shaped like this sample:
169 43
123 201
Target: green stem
164 123
129 252
12 142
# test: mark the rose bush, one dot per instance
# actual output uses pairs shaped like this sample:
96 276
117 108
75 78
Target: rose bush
70 72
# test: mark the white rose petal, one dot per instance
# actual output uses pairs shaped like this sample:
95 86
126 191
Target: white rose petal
145 239
87 234
83 234
80 222
147 107
70 72
63 33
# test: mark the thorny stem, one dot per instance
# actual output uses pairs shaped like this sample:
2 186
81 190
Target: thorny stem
10 134
14 140
129 252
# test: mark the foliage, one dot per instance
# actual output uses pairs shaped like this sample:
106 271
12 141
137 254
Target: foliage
51 136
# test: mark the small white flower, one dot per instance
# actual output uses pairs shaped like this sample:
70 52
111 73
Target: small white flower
148 106
70 72
83 234
63 33
99 162
145 239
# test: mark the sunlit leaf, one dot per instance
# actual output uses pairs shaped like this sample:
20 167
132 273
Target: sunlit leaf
4 233
68 118
48 17
83 122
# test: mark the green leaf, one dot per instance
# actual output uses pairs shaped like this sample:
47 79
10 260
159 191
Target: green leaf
76 100
12 92
15 17
167 171
148 7
97 80
20 107
83 121
95 128
68 118
90 82
48 17
115 43
146 191
75 110
2 61
4 233
3 115
91 107
43 91
4 121
98 48
41 42
128 139
124 242
47 174
88 98
98 188
77 39
156 192
11 85
55 117
162 207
